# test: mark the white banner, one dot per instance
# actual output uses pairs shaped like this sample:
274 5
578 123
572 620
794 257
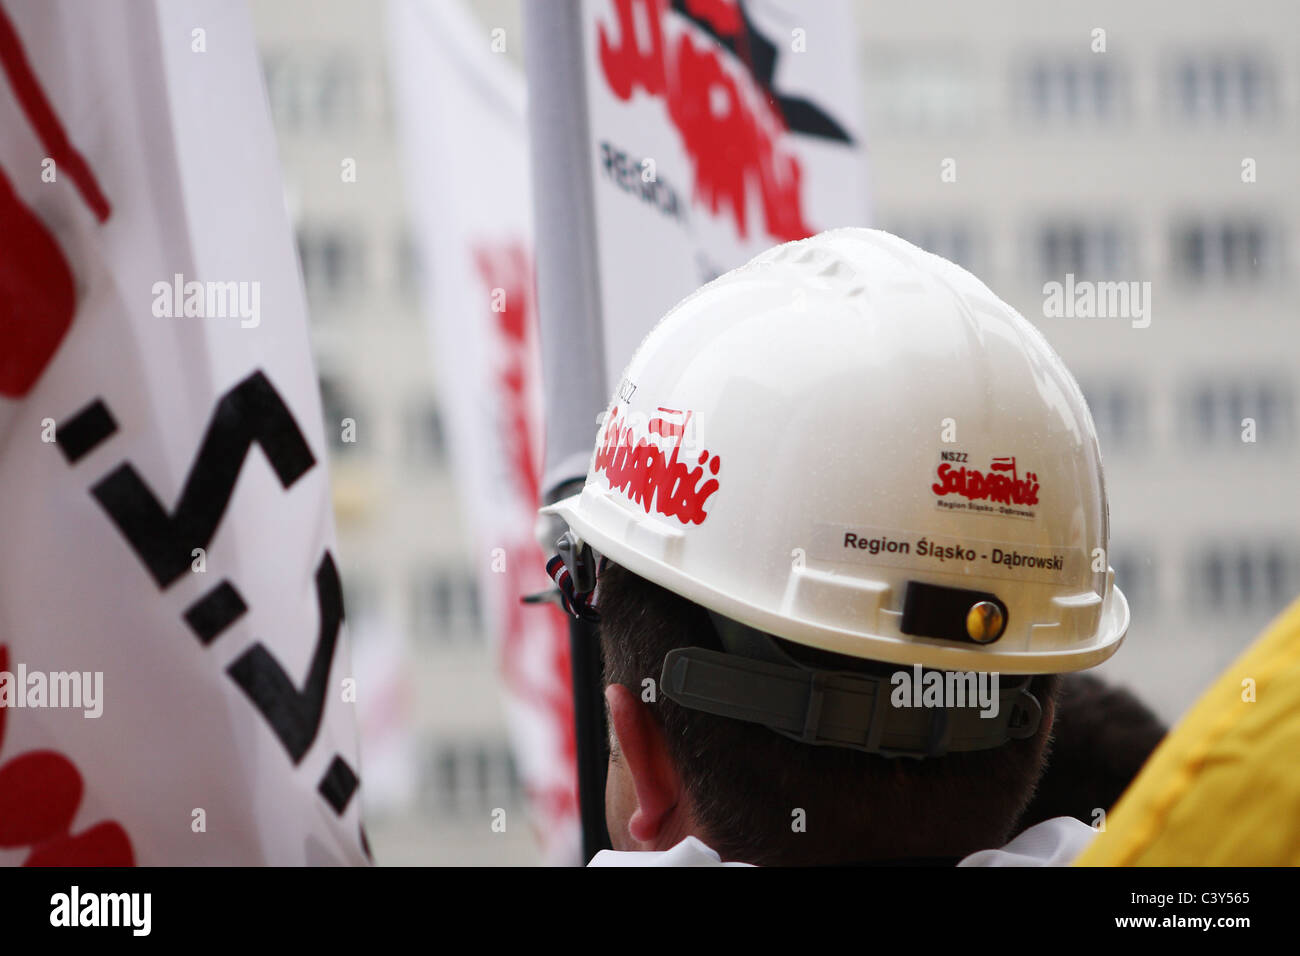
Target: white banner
461 113
672 142
717 129
174 673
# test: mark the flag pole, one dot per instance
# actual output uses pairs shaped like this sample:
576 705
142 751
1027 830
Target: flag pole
575 389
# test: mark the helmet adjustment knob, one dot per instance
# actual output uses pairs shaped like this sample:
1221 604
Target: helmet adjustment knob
984 622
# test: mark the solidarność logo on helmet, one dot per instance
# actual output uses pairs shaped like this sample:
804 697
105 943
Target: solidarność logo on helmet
975 485
646 466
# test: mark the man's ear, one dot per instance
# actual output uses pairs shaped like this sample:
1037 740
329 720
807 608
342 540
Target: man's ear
644 751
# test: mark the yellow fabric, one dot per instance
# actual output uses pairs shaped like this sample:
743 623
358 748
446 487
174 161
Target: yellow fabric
1223 789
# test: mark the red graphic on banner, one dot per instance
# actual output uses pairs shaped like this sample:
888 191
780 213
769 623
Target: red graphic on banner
729 127
722 15
37 295
40 791
973 484
37 292
58 147
507 275
638 467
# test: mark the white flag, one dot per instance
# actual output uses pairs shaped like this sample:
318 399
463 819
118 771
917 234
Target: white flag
679 141
461 113
174 673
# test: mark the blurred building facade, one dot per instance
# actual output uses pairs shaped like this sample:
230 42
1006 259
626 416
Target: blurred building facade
1015 139
435 758
1116 142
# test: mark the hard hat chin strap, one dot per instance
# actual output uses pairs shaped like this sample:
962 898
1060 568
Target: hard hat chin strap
574 570
757 682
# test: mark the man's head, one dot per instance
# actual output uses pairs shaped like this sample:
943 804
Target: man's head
852 454
759 797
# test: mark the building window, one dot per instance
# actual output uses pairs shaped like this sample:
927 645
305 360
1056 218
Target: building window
445 607
410 267
332 263
308 93
1213 412
927 92
1255 577
1073 90
1119 410
1135 575
336 93
1223 87
337 404
1084 250
283 90
426 437
359 599
956 242
471 778
1225 250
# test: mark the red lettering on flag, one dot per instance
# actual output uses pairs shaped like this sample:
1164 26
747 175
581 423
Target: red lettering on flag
731 131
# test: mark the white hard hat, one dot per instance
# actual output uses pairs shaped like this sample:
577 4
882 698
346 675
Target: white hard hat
854 445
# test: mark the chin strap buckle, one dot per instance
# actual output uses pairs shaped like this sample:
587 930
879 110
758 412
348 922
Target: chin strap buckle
574 569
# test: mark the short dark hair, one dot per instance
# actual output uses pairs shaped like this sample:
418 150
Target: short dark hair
746 782
1102 736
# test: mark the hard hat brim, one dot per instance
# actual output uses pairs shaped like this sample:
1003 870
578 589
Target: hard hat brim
577 511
